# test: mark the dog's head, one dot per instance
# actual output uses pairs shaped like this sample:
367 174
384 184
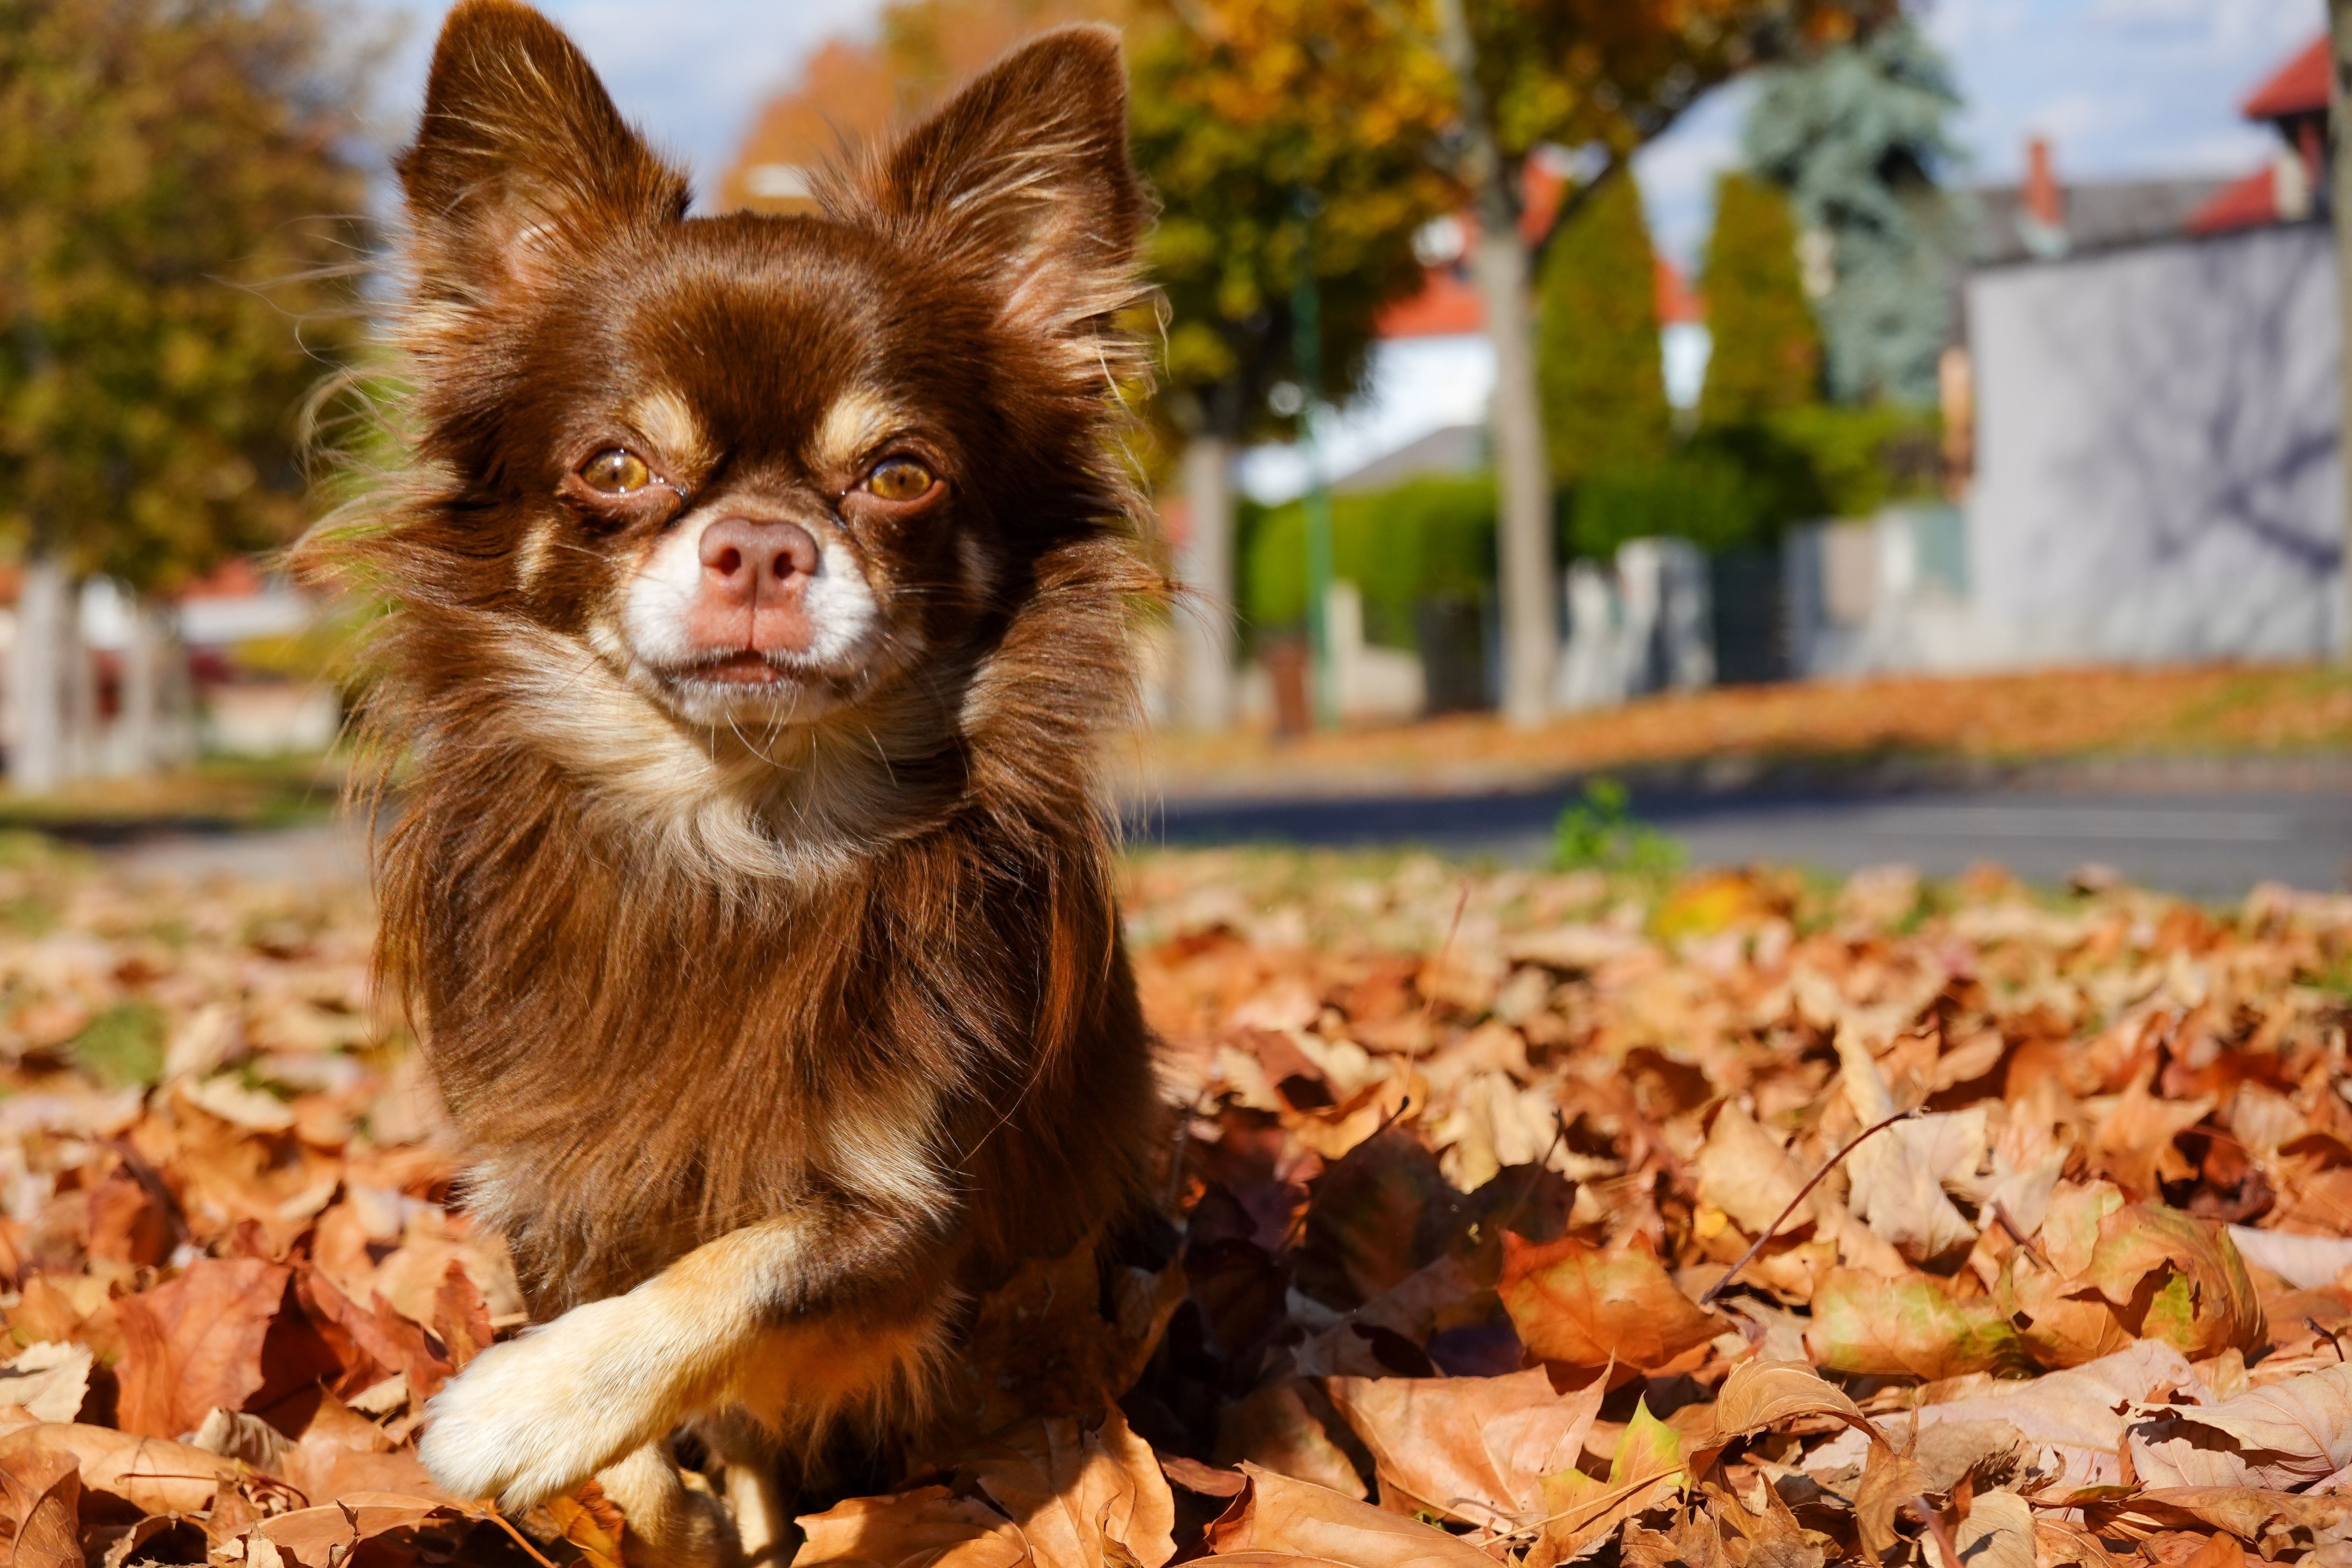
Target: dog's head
768 473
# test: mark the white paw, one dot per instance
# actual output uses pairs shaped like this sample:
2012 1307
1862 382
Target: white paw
532 1418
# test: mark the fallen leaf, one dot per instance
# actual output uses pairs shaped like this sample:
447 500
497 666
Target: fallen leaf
1585 1305
926 1528
1899 1327
1760 1394
151 1474
2178 1278
2276 1438
1274 1430
1476 1448
1070 1490
2305 1262
2077 1417
196 1343
1374 1218
325 1536
1644 1473
49 1379
1277 1515
41 1492
1998 1532
1896 1179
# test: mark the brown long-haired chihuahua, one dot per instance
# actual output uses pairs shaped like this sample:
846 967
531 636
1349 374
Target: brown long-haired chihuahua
760 588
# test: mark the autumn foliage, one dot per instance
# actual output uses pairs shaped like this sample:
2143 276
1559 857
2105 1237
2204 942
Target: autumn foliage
1489 1237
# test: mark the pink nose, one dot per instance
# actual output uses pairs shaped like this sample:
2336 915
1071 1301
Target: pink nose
745 560
755 578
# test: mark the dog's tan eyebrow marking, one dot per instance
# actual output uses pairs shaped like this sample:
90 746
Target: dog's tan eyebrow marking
664 418
533 555
857 419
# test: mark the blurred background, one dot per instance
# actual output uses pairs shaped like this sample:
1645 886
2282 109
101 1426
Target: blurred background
1827 431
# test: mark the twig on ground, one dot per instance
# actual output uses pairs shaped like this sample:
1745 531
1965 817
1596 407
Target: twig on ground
1804 1192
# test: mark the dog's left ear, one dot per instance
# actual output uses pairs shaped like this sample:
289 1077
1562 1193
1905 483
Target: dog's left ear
520 160
1022 183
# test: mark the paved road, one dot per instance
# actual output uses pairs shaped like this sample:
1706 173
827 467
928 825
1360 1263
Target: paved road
2209 844
2205 844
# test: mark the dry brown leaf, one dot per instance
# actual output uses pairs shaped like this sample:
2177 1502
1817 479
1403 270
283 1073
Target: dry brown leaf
1759 1394
1895 1180
151 1474
926 1528
196 1343
41 1492
1912 1326
1586 1306
2277 1438
2133 1143
1475 1448
1277 1517
1070 1490
2077 1417
1273 1429
1998 1532
1647 1470
49 1379
325 1536
2305 1262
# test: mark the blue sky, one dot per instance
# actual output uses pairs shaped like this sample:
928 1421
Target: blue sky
2122 87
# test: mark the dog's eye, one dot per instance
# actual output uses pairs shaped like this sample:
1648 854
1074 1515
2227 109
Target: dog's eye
617 471
900 479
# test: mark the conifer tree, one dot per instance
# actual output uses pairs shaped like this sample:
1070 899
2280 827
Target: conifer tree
1767 353
1857 137
1605 391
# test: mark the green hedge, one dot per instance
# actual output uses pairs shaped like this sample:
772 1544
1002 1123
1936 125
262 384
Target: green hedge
1737 485
1428 539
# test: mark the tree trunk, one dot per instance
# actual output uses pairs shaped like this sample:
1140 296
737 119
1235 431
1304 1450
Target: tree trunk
36 751
1205 621
139 728
1500 265
84 736
2339 204
175 690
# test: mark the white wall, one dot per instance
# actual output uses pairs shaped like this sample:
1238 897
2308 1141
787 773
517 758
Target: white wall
2157 474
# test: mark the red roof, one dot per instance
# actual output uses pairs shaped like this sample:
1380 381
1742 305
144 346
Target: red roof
2299 86
1446 306
1448 302
2243 203
1677 301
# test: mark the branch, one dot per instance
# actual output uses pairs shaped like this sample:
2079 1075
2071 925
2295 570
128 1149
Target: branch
1749 1256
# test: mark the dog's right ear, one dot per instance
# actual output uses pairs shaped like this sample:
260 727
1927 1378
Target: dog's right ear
520 158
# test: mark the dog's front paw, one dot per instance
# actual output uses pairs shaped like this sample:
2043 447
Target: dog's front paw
532 1418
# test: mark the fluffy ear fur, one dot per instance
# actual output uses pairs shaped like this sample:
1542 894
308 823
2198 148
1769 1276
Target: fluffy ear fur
521 157
1021 182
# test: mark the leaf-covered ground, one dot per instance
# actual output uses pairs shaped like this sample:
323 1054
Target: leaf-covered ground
1468 1171
2203 711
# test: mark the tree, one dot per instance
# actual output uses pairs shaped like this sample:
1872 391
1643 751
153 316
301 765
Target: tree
1857 137
1604 390
1603 75
1766 353
164 169
1241 107
853 89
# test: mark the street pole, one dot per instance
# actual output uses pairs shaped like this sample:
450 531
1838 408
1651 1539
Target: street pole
1307 349
2339 214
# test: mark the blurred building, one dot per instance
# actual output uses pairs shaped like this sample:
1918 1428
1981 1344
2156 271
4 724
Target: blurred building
2143 415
